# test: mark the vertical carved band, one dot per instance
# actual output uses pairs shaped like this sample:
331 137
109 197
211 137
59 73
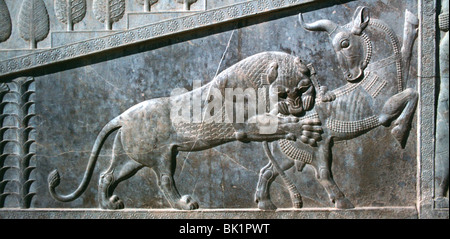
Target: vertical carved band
17 145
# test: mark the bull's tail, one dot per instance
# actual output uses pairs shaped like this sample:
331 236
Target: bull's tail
54 178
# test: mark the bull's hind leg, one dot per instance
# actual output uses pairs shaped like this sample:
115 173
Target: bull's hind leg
164 171
262 196
322 167
400 108
121 168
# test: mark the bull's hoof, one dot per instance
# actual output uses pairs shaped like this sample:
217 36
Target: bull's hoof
344 203
400 133
187 203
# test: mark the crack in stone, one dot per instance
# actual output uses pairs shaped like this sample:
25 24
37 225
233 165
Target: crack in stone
234 161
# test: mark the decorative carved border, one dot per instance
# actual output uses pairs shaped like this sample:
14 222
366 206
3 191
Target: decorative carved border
426 110
144 33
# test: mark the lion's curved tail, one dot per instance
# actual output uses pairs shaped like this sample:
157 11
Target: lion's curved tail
54 178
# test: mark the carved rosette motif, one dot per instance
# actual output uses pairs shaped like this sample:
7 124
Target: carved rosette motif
173 26
248 8
204 19
233 12
218 15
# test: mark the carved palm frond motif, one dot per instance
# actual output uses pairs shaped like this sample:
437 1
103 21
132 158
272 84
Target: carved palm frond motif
109 11
147 4
17 142
5 20
33 22
70 11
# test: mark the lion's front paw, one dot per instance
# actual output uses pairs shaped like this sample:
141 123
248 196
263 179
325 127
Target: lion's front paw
187 203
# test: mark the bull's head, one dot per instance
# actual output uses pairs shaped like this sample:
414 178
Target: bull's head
346 41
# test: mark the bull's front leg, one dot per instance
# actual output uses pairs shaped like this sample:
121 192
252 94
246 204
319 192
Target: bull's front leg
399 110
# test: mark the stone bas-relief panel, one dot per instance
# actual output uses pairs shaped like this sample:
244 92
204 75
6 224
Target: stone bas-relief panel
223 195
345 78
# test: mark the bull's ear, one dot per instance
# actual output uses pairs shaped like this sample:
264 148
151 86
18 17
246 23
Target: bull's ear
361 19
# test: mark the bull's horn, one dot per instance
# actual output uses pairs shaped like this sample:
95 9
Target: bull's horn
320 25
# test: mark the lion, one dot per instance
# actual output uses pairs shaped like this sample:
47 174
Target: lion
147 135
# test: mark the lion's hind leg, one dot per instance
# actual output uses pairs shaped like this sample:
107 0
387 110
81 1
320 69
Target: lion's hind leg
164 171
122 167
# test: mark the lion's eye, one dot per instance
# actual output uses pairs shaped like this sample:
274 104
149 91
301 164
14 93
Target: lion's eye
345 43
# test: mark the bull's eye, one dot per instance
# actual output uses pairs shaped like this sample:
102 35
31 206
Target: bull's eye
345 43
